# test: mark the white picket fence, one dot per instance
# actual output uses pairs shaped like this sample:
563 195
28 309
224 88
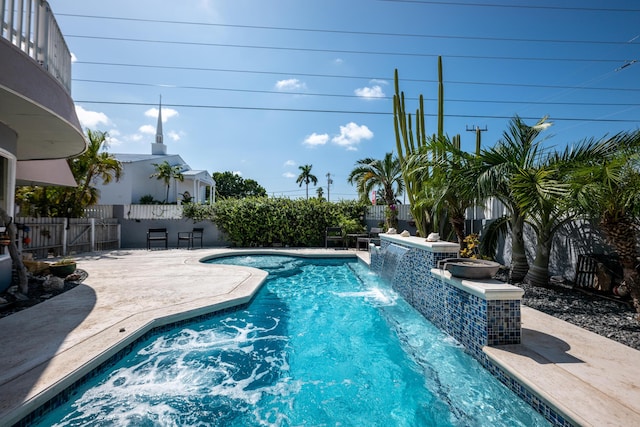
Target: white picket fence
44 237
152 211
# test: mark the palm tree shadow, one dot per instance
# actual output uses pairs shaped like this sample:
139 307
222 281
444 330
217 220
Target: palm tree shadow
542 348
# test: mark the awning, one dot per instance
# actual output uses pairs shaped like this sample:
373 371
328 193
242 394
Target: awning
44 172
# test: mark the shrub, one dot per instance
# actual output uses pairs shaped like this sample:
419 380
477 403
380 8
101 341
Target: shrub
147 199
262 221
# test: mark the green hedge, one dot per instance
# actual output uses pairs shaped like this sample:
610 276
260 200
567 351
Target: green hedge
262 221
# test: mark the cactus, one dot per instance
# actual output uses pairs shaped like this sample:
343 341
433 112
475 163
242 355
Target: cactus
408 143
440 100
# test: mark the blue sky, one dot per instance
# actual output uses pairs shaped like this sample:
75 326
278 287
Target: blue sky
262 87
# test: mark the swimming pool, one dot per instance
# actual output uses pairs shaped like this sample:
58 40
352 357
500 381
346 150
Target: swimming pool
325 342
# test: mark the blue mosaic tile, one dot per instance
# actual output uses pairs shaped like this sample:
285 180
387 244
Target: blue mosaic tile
471 320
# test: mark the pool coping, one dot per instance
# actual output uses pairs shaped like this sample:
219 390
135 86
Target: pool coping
591 384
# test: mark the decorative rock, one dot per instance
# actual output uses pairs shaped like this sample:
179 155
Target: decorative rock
392 231
433 237
53 283
405 233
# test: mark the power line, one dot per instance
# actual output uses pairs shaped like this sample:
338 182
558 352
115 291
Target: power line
343 51
345 32
337 76
334 95
514 6
377 113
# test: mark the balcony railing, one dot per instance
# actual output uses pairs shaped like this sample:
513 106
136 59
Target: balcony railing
31 26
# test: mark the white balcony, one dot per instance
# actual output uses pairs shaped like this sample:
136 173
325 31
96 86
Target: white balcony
35 81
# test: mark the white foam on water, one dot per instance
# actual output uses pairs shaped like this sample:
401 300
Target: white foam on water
190 363
376 296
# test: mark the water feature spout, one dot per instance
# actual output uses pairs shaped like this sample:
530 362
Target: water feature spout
390 260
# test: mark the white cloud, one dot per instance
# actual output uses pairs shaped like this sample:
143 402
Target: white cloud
91 119
113 138
370 92
147 129
167 113
351 134
315 139
290 84
290 163
74 58
338 61
289 175
239 173
378 82
175 136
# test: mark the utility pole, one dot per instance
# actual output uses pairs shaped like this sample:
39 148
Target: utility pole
478 132
329 182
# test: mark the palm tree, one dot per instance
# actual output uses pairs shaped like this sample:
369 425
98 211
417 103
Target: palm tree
385 174
518 150
320 193
306 177
91 166
608 189
370 173
448 184
544 196
166 172
87 169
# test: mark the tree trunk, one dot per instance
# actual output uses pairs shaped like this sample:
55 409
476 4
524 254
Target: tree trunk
519 262
457 223
538 274
622 235
23 280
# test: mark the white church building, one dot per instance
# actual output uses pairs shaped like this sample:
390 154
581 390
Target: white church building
137 182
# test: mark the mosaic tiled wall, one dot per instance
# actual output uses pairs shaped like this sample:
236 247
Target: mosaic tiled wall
471 320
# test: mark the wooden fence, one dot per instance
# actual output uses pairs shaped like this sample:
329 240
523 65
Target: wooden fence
43 237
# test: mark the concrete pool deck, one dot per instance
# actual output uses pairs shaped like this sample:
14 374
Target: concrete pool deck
588 378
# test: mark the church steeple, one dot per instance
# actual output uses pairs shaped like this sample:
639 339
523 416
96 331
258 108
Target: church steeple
158 148
159 136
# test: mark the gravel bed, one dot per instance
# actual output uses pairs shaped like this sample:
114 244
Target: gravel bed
611 318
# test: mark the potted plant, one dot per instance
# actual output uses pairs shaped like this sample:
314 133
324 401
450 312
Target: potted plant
63 268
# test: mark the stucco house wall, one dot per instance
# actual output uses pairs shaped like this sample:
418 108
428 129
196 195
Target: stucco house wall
136 180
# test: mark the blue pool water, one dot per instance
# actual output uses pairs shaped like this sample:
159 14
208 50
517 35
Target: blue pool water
324 343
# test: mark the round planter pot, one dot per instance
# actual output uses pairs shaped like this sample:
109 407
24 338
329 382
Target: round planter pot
62 270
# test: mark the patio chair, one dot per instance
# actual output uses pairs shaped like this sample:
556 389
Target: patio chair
373 237
190 236
157 235
334 234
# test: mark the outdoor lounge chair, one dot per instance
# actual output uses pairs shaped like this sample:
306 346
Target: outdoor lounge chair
333 234
157 235
373 237
190 236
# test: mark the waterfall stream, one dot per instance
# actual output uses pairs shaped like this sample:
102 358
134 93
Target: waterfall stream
390 259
